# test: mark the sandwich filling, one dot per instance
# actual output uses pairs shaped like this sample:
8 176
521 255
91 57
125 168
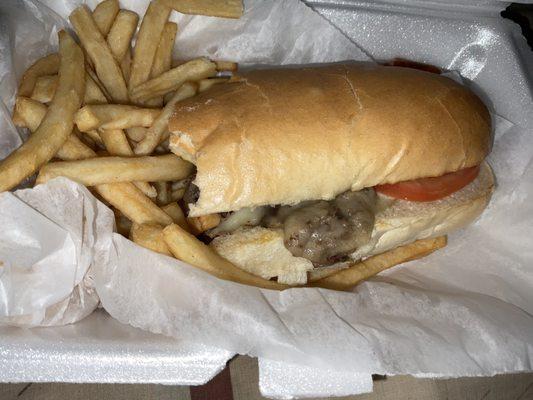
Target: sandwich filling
328 232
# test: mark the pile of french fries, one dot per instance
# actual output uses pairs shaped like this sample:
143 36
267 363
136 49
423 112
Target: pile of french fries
98 114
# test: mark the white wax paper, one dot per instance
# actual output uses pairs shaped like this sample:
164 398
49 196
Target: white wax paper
465 310
49 237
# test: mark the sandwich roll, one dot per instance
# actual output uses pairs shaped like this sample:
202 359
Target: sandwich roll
288 135
322 175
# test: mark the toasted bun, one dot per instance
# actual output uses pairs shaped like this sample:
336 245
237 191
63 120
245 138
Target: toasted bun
281 136
261 251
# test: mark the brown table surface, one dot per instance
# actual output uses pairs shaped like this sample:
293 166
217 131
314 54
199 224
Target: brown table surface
239 382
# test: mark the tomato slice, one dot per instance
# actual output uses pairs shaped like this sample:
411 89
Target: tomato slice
430 189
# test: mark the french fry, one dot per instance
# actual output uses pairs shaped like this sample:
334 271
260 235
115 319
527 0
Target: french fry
86 140
189 249
124 225
203 223
93 93
163 58
90 71
117 144
143 117
206 84
152 26
114 116
46 85
176 213
346 279
227 66
163 147
106 67
91 172
137 133
114 141
48 65
119 37
163 195
125 65
104 14
194 70
168 97
213 8
158 130
95 137
149 236
44 89
74 149
133 203
32 113
163 55
177 194
57 124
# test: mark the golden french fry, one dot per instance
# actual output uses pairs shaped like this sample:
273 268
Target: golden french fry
163 58
117 144
152 25
213 8
86 140
125 65
163 55
123 224
227 66
114 116
93 93
189 249
44 89
143 117
158 130
177 194
104 14
346 279
163 147
176 213
74 149
149 236
206 84
91 172
119 37
95 137
203 223
168 97
32 113
106 67
57 124
194 70
137 133
90 71
133 203
48 65
163 195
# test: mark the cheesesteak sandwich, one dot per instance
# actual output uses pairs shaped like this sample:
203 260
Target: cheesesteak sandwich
307 171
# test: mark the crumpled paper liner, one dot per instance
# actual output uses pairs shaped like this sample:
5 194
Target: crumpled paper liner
50 235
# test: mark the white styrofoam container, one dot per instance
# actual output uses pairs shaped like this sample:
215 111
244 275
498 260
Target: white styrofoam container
468 36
